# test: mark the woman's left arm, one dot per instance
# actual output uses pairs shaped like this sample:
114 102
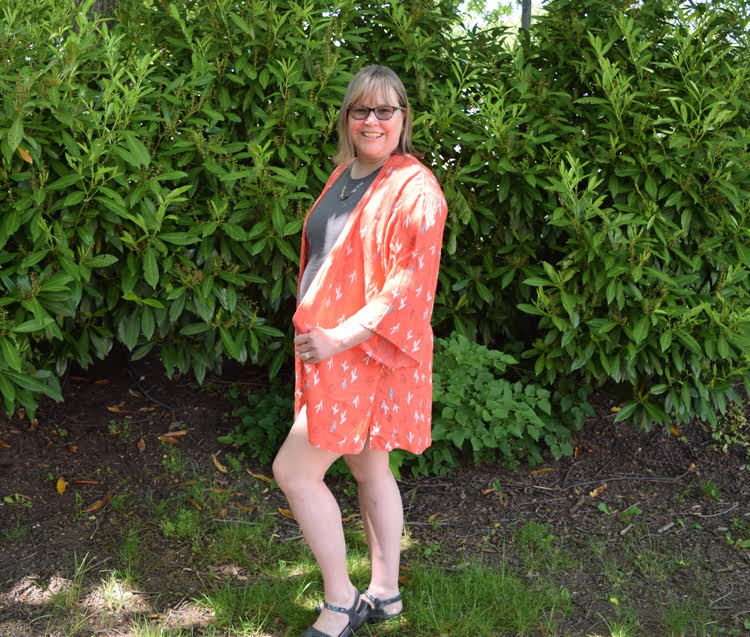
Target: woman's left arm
319 344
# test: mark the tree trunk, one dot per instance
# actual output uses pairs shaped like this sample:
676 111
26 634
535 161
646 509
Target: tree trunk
103 9
526 14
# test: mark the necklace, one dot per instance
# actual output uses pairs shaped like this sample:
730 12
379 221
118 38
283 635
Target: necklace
347 182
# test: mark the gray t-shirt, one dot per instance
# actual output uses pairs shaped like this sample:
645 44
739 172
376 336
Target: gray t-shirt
328 219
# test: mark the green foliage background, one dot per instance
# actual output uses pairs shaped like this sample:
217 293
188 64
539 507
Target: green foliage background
156 170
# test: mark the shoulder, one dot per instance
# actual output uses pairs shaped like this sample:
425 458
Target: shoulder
411 176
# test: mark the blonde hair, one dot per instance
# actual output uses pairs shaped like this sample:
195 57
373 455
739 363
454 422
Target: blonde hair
366 82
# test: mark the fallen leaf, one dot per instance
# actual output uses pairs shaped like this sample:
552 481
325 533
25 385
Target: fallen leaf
169 440
614 410
404 567
675 430
691 467
244 508
220 490
142 409
73 448
195 504
488 491
598 490
61 484
174 434
403 580
577 451
80 379
543 470
85 482
102 381
141 444
222 513
20 413
118 410
218 464
287 513
350 517
432 518
4 444
260 476
98 504
132 392
49 444
25 155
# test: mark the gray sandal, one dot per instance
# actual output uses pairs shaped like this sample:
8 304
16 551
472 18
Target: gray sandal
358 613
377 614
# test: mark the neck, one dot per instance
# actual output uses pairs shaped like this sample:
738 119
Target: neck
363 168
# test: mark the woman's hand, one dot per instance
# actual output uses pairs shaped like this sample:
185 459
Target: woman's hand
319 344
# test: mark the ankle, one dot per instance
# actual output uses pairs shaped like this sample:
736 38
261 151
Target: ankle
342 599
383 592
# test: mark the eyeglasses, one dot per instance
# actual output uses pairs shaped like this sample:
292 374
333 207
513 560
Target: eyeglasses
381 112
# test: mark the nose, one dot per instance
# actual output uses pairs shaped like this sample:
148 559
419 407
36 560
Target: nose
369 115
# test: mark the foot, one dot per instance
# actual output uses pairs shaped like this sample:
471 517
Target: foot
385 604
337 619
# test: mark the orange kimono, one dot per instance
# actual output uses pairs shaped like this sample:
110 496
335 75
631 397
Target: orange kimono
385 263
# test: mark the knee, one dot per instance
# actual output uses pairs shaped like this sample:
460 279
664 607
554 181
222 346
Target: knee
294 474
282 473
367 472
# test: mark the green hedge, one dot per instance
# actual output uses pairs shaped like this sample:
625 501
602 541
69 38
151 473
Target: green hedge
156 170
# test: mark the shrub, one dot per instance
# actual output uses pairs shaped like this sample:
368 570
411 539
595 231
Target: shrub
156 169
485 412
266 415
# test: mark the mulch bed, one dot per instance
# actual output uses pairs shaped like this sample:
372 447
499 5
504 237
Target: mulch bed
107 433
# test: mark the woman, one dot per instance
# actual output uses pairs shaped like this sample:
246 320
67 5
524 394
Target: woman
368 272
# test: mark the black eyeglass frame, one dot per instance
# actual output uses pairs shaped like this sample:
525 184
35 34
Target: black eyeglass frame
374 109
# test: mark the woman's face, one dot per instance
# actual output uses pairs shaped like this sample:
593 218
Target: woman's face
376 139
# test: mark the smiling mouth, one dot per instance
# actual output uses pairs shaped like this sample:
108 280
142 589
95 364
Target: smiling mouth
372 135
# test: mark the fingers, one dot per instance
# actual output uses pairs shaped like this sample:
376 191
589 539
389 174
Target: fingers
304 347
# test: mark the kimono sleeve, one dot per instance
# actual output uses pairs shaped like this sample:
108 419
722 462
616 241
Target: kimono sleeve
400 312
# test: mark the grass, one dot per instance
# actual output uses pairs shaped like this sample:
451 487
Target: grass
226 523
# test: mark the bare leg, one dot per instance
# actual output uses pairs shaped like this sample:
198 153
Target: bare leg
299 469
383 518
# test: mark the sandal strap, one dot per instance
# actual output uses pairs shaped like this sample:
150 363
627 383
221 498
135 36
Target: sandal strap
336 609
379 603
350 612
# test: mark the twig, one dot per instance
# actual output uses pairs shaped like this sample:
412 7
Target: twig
533 486
567 473
716 601
715 515
99 518
425 523
577 505
18 559
542 502
666 527
146 394
633 476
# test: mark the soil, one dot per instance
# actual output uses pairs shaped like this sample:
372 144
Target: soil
692 501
